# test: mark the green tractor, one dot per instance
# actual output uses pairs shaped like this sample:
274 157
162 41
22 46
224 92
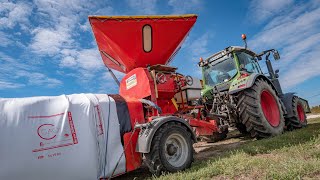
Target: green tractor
239 94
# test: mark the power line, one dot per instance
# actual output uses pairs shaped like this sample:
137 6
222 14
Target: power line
314 95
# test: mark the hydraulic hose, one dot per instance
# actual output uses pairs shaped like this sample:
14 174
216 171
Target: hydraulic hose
152 104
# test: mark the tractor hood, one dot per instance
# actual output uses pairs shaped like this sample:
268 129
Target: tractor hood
128 42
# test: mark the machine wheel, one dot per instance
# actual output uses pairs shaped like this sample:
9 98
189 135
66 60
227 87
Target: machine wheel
171 149
299 118
260 110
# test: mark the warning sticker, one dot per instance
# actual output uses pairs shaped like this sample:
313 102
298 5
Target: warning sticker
54 132
131 81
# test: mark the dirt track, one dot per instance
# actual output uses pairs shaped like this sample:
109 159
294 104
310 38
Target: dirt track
311 116
204 150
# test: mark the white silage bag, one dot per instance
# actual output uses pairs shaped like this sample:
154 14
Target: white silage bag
56 138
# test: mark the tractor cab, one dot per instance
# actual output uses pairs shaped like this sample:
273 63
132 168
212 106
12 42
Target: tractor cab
220 70
236 68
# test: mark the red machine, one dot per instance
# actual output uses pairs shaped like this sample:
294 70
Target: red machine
164 115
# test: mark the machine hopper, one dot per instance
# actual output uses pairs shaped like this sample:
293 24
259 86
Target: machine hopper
128 42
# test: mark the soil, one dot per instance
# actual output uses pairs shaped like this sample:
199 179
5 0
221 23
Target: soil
311 116
203 151
206 150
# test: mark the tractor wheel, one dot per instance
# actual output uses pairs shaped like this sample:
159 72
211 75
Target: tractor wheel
171 149
299 118
260 110
241 128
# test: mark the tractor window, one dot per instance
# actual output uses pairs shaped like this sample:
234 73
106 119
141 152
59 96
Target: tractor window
220 71
248 62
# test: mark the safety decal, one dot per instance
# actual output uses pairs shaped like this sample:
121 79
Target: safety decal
131 81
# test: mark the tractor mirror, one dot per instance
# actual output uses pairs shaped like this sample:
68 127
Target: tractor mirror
276 73
276 55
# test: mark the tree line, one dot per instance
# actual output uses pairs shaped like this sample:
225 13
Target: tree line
315 109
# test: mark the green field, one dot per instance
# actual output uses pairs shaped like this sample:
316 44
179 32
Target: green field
292 155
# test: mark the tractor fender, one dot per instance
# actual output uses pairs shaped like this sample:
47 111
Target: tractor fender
245 83
287 101
148 130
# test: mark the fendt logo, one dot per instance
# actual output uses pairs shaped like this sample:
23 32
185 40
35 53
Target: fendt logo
47 131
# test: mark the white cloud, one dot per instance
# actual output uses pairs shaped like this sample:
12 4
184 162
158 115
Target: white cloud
85 26
306 67
199 47
296 35
108 85
53 35
58 8
68 61
58 33
4 39
42 80
107 76
293 30
49 41
263 10
87 59
196 48
12 71
10 85
293 51
58 22
14 13
9 65
86 63
104 10
39 79
183 6
143 6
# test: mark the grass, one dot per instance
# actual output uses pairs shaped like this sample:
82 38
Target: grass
293 155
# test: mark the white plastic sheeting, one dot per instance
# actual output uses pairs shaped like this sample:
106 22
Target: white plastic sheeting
63 137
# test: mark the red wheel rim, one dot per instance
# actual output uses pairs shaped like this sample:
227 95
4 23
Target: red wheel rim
300 113
270 108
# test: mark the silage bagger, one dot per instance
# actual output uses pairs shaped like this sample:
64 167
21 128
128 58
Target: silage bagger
163 104
155 117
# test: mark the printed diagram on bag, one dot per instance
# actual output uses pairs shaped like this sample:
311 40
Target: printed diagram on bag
99 123
53 131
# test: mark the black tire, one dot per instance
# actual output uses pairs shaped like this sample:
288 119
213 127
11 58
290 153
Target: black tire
251 112
241 128
296 122
157 160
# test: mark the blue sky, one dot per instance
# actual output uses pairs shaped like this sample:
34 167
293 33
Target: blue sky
47 47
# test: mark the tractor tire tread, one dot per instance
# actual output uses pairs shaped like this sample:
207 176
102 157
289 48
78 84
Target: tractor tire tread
249 110
294 122
153 159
